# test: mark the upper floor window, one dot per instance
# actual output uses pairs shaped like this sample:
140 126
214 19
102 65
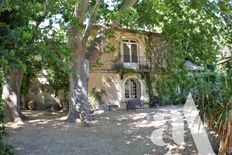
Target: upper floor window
130 51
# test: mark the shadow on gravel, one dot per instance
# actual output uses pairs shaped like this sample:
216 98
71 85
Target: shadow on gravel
117 132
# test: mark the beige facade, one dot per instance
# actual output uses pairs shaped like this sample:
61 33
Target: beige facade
114 88
122 51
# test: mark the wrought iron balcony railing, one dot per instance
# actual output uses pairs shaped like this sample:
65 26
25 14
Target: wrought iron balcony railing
138 63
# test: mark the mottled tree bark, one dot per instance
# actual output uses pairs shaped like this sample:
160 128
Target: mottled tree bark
11 94
79 107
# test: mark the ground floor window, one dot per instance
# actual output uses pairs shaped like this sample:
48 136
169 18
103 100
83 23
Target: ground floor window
132 89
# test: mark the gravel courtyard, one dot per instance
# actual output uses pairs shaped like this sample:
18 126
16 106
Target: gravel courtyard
113 133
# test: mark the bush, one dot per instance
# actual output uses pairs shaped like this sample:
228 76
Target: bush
168 91
213 98
4 148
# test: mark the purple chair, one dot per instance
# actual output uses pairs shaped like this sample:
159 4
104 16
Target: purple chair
134 104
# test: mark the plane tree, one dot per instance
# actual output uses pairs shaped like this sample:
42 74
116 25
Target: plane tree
86 46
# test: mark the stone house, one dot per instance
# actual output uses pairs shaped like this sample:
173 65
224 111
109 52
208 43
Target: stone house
119 74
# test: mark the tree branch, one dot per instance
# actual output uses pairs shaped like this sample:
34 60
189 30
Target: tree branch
81 10
91 21
75 33
94 50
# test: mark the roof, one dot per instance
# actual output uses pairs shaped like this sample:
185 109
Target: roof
131 30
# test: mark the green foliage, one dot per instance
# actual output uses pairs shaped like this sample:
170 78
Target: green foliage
59 80
110 48
213 96
190 28
167 84
148 85
128 71
129 18
188 31
195 31
212 93
30 42
4 148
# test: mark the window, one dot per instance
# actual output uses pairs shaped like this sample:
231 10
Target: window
130 51
131 89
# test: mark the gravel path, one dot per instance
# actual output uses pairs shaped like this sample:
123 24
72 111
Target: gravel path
113 133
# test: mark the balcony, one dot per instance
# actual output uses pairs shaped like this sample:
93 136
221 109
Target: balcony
138 63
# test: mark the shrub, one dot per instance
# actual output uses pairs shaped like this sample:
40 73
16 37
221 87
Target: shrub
4 148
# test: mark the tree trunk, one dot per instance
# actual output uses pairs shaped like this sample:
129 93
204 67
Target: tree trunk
85 58
79 107
11 94
226 140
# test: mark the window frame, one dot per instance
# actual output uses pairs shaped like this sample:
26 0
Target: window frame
131 89
131 58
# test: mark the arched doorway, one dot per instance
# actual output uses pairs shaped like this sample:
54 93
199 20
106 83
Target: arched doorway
132 89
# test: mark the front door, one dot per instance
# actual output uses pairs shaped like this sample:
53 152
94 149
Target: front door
132 89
